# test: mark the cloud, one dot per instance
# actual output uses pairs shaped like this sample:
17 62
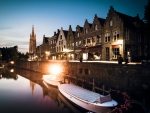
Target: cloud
5 28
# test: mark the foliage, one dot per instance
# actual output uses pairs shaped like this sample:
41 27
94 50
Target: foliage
147 18
12 53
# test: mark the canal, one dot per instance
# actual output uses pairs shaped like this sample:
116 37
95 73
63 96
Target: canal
23 91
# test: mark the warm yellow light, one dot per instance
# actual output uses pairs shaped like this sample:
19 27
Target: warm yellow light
12 70
12 62
55 69
120 42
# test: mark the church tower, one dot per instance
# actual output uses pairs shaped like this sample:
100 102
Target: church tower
32 44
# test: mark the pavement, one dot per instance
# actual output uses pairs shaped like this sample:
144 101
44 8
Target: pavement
113 62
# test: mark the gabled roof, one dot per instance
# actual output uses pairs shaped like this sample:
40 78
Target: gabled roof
65 33
45 39
102 21
127 20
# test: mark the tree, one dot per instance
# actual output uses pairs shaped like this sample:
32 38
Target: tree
147 24
147 17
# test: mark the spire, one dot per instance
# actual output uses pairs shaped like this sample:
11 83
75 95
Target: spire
32 30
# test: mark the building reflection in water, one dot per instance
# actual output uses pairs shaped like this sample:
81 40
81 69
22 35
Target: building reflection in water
49 91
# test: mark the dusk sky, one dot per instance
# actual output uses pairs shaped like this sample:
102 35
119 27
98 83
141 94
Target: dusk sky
18 16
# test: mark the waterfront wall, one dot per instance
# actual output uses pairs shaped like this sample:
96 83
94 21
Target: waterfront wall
134 79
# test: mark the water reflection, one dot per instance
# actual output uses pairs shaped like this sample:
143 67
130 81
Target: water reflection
23 91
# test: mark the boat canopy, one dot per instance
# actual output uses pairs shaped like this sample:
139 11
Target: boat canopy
81 93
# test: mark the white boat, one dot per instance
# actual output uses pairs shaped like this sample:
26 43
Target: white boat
87 99
53 79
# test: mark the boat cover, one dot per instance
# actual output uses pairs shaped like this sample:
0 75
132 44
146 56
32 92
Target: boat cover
80 92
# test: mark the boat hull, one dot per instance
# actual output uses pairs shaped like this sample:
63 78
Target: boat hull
94 107
51 81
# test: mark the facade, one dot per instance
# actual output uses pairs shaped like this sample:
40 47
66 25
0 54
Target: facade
52 45
88 41
61 45
103 39
123 36
70 44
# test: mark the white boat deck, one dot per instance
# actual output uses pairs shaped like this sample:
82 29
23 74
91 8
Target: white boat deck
80 92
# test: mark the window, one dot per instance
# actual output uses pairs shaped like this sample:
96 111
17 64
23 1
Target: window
76 43
86 71
107 53
79 42
107 37
84 42
88 40
115 35
115 52
93 39
99 38
80 70
127 34
60 36
139 37
95 28
86 31
78 34
111 23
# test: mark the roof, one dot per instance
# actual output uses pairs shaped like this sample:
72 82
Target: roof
127 20
65 33
101 20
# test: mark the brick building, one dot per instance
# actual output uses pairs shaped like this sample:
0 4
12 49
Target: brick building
103 39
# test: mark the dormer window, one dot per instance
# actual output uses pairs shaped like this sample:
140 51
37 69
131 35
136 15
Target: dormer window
95 28
111 23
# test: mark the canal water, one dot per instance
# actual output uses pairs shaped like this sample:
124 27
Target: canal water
23 91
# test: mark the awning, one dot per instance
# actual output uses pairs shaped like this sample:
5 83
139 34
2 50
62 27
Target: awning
115 46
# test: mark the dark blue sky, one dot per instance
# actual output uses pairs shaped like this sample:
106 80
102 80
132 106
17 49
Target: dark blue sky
18 16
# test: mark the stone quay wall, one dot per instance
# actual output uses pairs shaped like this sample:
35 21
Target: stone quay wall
134 79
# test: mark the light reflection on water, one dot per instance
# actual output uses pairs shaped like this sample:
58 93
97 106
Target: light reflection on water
23 91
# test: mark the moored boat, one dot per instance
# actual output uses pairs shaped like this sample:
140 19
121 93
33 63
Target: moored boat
87 99
53 79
